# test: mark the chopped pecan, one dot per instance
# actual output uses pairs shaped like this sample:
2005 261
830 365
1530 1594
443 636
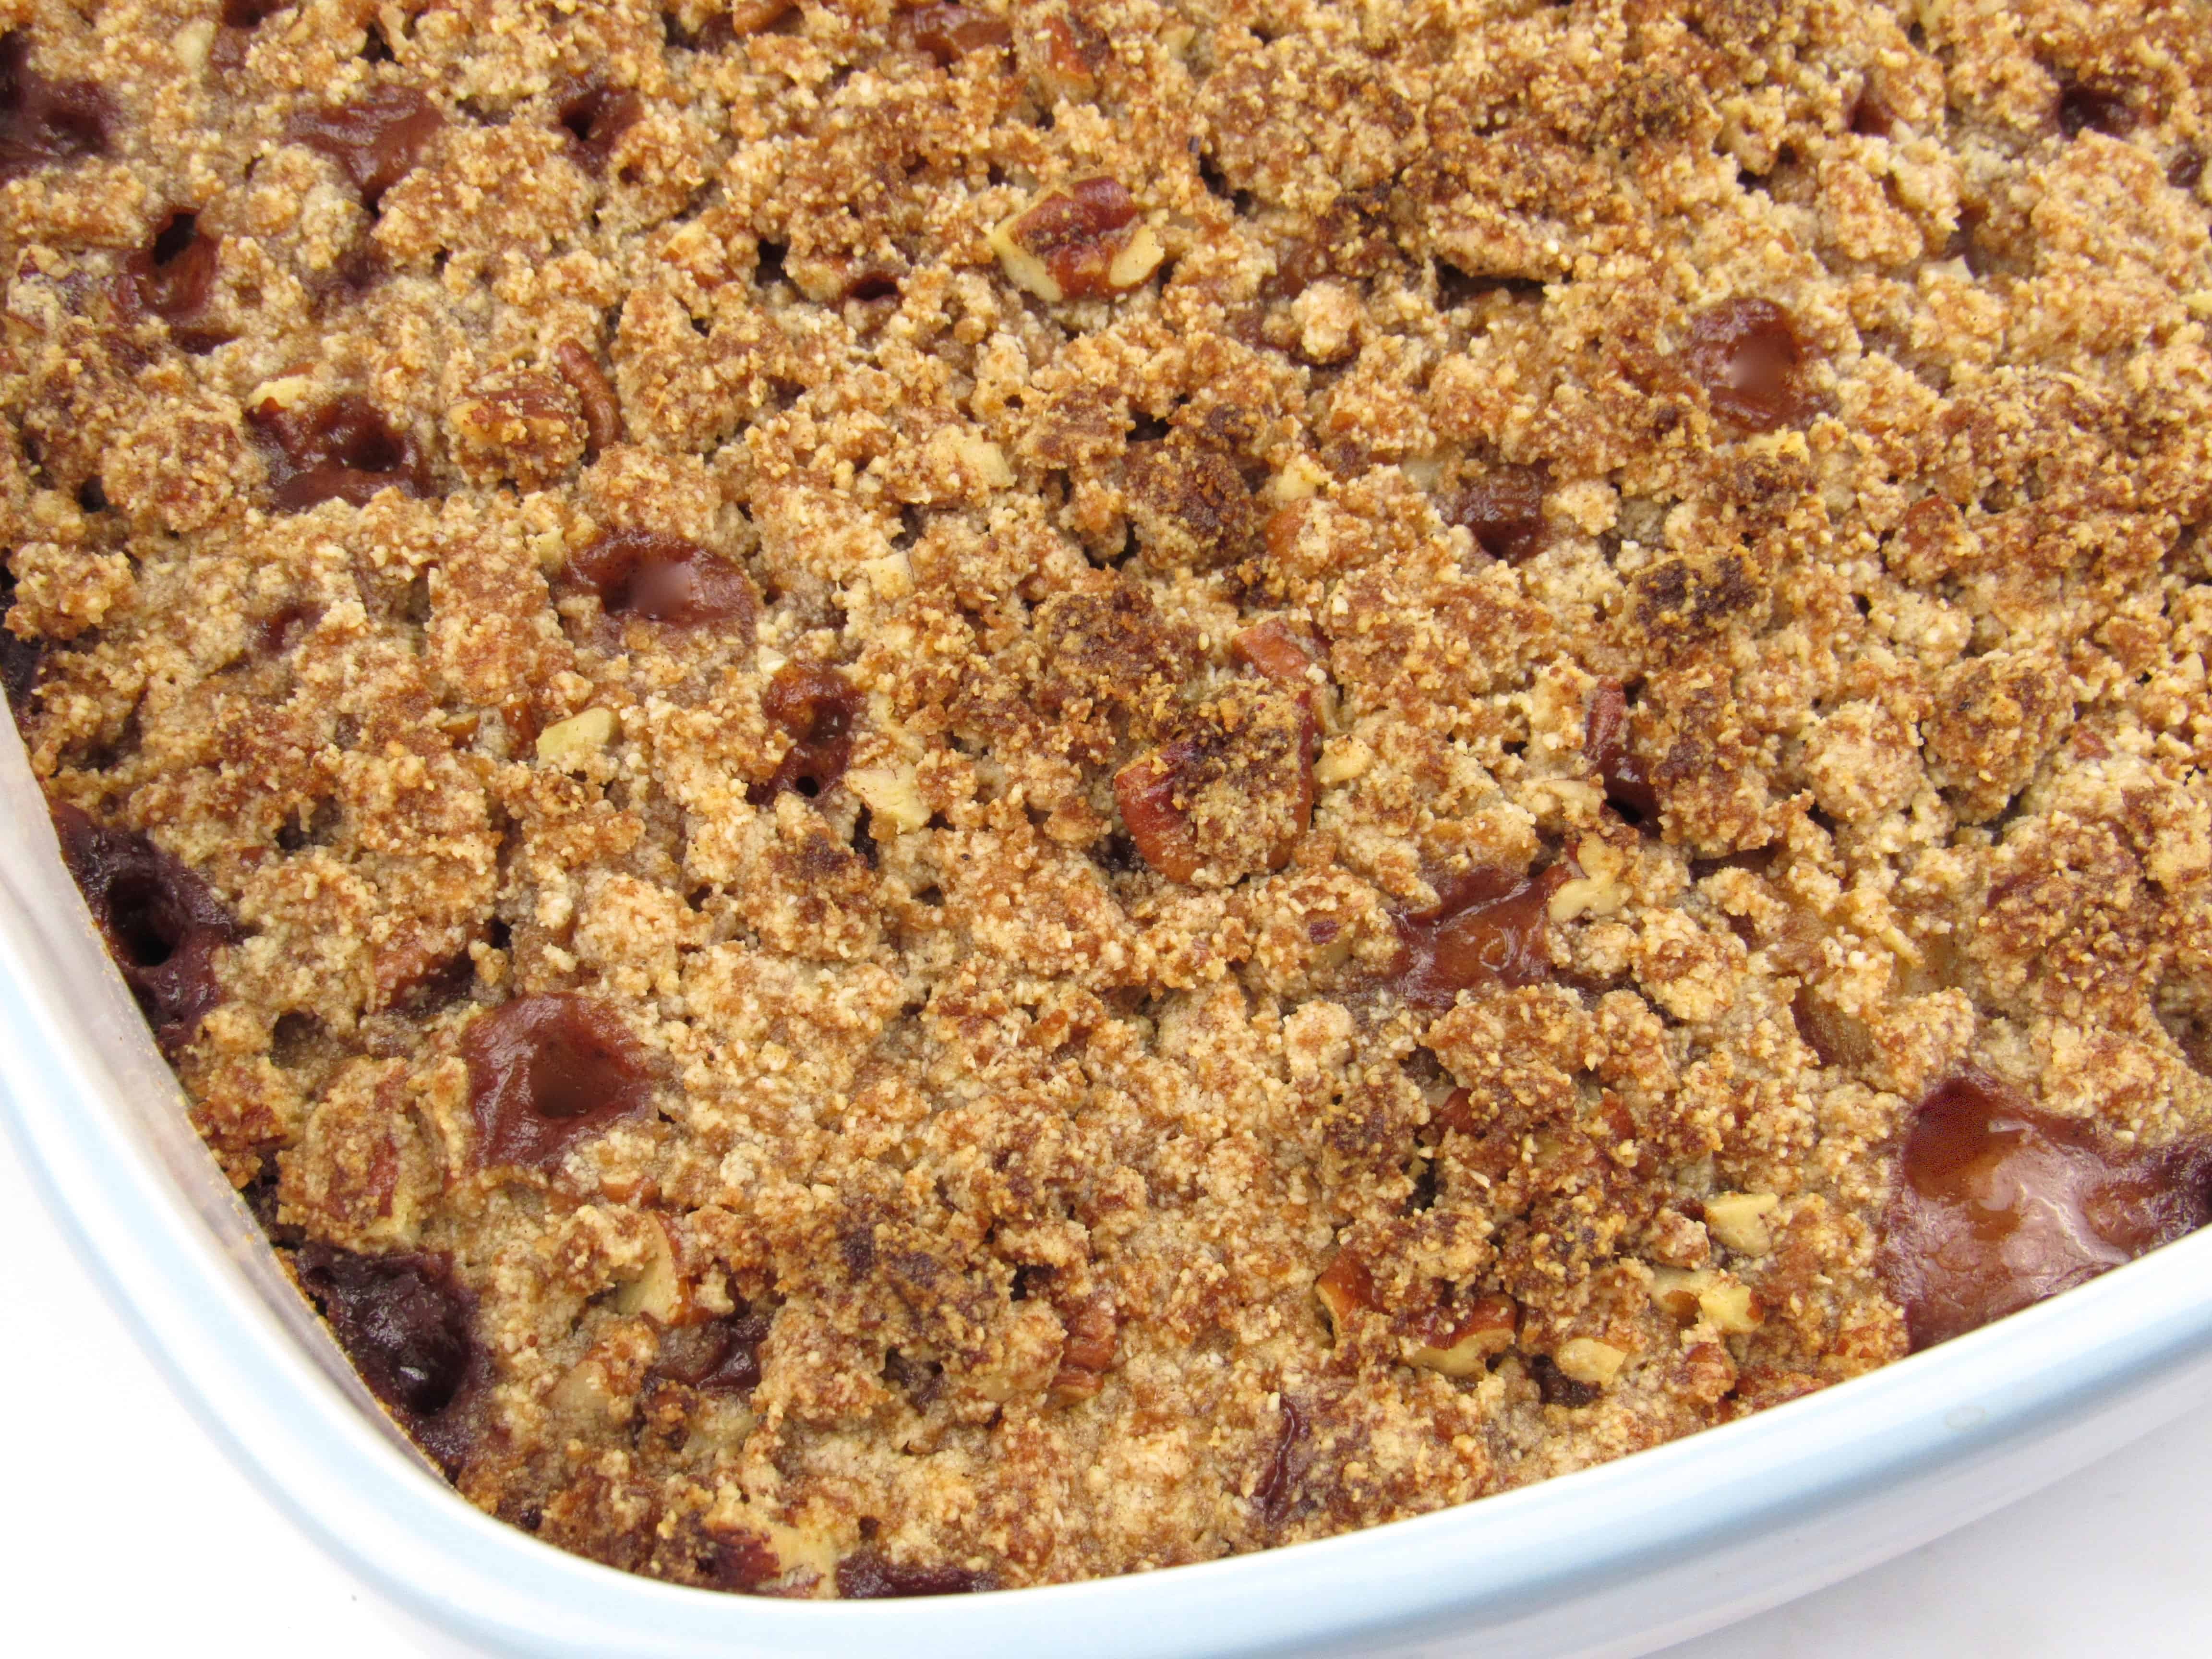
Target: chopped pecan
1083 242
1278 651
1229 797
521 425
1093 1334
603 416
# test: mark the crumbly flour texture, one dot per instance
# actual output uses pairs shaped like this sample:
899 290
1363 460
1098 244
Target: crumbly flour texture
936 799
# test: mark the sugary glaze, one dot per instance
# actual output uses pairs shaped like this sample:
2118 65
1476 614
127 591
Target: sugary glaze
953 798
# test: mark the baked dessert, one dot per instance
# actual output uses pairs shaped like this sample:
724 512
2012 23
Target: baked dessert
950 798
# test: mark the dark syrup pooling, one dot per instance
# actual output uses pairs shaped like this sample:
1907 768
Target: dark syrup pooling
44 122
1750 358
376 140
547 1072
1605 741
1999 1204
1487 929
819 706
344 450
407 1324
161 923
665 579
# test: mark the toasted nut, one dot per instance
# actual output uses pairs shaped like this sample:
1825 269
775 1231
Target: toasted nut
1082 242
285 391
1732 1308
1702 1293
1677 1290
981 463
1586 1360
191 44
1599 891
1301 479
1739 1221
1344 1285
1340 762
892 797
571 743
658 1291
1140 258
1484 1329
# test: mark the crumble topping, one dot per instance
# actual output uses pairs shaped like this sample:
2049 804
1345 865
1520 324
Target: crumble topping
947 797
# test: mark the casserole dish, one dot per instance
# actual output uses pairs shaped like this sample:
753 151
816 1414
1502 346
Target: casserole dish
1618 1559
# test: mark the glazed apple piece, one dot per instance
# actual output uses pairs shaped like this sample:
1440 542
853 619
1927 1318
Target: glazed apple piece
1999 1204
547 1072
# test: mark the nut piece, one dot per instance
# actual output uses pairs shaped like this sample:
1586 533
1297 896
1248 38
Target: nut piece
1080 243
658 1291
1739 1221
1732 1309
571 743
1344 1285
892 797
1586 1360
1485 1327
1087 1354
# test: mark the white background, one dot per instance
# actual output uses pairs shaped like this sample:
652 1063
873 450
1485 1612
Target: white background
123 1531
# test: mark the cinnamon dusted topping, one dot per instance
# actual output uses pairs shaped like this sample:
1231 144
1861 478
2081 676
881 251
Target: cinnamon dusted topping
953 796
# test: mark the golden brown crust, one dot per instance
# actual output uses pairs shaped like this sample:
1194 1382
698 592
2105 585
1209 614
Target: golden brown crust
1024 1008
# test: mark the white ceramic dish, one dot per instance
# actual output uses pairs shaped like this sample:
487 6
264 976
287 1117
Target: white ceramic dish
1615 1560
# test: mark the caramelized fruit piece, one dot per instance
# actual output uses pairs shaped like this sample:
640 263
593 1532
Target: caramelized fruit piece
950 32
161 923
44 122
20 658
867 1576
1750 359
346 451
1556 1387
2084 108
595 115
1999 1204
1628 790
408 1326
1487 929
1504 512
665 579
819 706
174 277
547 1072
722 1357
376 140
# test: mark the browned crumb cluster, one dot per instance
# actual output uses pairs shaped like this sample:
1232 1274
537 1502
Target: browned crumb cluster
961 797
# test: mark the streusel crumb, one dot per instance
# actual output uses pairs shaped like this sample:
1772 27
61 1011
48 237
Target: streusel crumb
954 798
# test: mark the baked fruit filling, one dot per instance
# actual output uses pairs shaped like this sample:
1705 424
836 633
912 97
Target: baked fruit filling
943 797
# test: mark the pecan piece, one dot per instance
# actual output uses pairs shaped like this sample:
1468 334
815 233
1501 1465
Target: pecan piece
1231 795
1082 242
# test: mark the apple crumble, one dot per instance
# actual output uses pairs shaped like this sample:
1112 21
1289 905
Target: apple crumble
954 797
